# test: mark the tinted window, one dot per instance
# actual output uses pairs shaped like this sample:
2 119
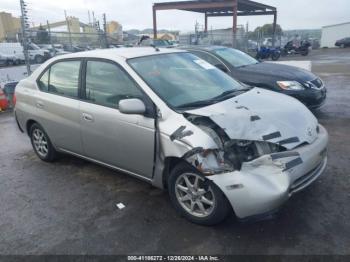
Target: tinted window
44 81
235 57
64 78
107 84
207 57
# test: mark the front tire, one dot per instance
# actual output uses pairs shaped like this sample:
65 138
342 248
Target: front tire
41 144
196 198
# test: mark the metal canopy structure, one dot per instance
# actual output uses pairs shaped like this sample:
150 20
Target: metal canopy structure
217 8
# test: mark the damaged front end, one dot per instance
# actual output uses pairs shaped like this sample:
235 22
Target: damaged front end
256 155
230 154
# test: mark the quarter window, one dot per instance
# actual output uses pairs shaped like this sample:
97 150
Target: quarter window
107 84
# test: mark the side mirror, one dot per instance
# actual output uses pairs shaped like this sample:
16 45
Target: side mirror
132 106
222 67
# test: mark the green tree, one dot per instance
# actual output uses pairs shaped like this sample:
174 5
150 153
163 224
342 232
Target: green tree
265 31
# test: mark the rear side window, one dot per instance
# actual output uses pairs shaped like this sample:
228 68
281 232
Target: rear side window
62 78
107 84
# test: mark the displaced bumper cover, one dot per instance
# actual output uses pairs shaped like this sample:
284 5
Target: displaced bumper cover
266 183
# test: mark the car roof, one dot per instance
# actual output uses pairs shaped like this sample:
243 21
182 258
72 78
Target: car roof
124 53
203 47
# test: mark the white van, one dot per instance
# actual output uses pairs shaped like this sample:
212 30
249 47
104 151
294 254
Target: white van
35 53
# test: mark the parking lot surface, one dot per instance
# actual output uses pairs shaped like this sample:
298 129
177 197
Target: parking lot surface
69 207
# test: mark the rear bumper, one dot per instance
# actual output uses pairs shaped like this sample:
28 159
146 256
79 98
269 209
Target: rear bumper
263 185
19 126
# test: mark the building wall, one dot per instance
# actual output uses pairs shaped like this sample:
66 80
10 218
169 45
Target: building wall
74 24
8 24
330 34
115 30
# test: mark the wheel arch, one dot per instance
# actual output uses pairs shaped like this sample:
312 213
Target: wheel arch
169 164
29 124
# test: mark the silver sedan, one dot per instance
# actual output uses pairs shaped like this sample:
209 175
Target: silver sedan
175 121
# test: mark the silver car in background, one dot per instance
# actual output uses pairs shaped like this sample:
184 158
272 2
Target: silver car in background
177 122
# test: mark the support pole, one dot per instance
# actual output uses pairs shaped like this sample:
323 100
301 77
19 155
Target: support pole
206 23
105 30
274 29
234 24
25 40
154 23
50 39
69 32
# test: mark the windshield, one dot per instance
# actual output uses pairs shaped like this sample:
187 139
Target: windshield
235 57
184 81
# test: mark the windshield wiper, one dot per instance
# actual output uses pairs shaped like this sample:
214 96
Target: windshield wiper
197 104
231 93
219 98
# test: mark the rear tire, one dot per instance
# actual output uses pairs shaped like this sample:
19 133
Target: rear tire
42 144
39 59
304 53
275 56
195 197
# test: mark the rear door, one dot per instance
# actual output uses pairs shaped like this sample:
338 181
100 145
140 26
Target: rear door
116 139
58 104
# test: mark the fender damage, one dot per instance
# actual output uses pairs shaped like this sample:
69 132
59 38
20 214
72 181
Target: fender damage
245 153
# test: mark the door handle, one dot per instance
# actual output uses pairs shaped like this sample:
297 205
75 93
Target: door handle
39 104
88 118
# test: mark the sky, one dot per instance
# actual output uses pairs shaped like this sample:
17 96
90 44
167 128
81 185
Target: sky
137 14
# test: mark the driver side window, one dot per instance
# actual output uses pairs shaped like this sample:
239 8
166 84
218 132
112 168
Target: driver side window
107 84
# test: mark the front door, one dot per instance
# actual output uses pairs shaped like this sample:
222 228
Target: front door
120 140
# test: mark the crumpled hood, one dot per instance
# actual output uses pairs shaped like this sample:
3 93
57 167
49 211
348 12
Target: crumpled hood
278 72
263 115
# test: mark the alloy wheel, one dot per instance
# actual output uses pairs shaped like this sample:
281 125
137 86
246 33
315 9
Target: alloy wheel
40 143
194 195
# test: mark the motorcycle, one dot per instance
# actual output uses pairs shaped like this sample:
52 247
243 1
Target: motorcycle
291 49
267 52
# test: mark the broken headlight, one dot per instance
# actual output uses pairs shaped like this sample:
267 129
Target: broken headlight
237 152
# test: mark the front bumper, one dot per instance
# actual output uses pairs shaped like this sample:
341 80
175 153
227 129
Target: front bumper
312 98
264 184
